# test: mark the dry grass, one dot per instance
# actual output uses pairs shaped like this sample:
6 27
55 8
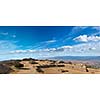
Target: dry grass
49 67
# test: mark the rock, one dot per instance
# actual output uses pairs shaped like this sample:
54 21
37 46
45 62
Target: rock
5 69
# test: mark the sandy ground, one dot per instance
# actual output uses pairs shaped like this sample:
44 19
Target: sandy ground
77 68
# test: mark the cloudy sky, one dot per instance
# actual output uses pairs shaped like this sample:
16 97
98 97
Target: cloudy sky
39 42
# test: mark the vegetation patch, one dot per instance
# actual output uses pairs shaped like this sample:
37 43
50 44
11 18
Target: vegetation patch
64 71
28 59
69 62
61 62
39 70
33 62
19 65
92 66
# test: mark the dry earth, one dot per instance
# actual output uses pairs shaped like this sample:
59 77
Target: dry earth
54 67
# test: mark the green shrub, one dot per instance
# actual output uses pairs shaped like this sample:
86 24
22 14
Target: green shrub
61 62
92 66
19 65
28 59
60 65
32 62
39 70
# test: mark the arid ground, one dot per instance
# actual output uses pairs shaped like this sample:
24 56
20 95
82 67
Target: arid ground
35 66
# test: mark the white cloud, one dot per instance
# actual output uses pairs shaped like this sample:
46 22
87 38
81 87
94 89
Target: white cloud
74 31
78 29
4 33
96 27
44 51
7 45
18 51
92 48
85 38
5 48
81 38
23 51
42 45
67 47
50 41
83 49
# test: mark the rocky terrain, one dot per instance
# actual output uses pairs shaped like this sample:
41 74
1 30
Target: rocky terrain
35 66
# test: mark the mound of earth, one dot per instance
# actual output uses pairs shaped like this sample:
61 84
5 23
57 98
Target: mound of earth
5 69
35 66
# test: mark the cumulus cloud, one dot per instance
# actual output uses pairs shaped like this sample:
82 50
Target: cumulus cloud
75 30
83 49
23 51
48 50
85 38
90 46
67 47
63 48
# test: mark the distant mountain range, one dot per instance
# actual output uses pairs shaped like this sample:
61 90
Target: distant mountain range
83 58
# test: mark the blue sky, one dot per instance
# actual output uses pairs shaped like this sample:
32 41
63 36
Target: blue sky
48 41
